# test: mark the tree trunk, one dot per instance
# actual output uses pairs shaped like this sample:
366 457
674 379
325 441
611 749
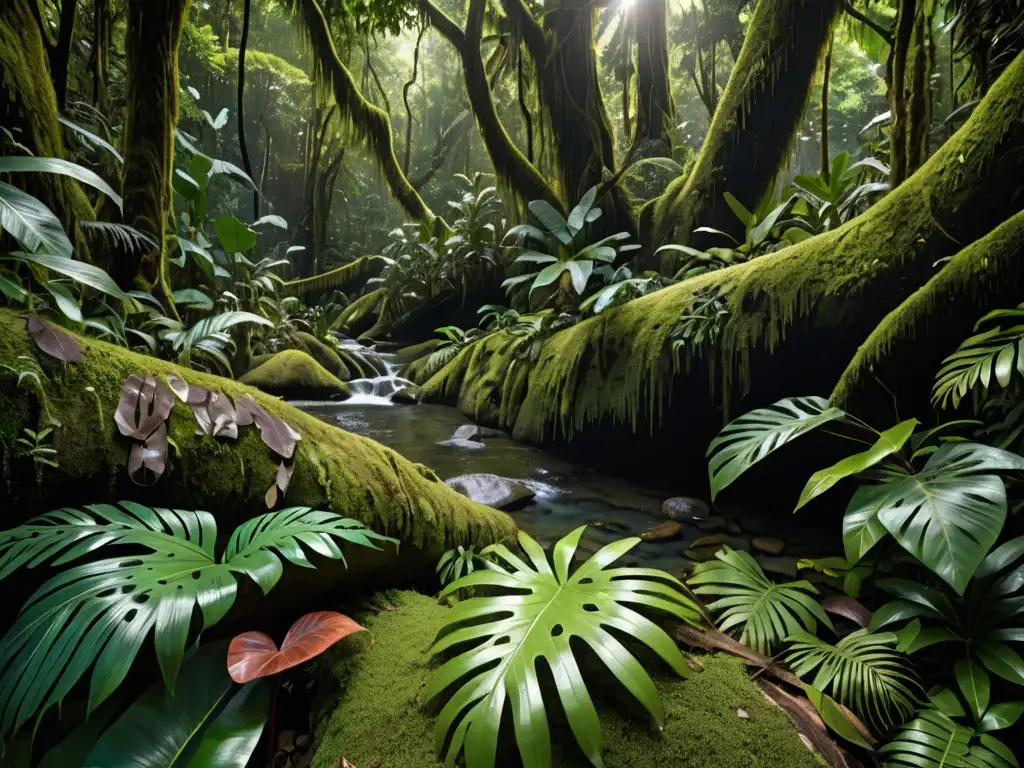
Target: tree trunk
754 125
910 96
151 42
60 54
99 57
655 107
28 108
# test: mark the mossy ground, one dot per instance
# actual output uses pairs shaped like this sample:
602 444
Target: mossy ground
380 719
294 373
333 470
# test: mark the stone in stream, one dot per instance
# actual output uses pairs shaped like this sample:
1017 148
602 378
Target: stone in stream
703 554
663 532
474 432
684 508
783 566
768 545
472 445
492 490
407 395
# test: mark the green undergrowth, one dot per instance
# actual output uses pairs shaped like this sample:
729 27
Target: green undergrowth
334 470
379 719
294 373
835 288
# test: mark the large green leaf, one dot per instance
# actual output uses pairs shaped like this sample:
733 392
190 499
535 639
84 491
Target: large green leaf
933 740
888 443
61 167
210 722
862 671
510 634
974 685
948 515
86 274
578 216
751 437
31 223
98 614
766 612
552 220
834 717
233 235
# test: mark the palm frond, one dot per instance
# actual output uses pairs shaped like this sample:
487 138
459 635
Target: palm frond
123 236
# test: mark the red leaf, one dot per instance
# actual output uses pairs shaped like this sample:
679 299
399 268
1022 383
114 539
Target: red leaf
848 608
253 655
53 342
277 434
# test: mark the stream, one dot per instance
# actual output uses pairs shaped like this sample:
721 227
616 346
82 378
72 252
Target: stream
568 495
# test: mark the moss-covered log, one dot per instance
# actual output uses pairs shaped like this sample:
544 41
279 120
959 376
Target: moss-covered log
346 279
796 317
755 123
333 470
931 323
28 109
152 42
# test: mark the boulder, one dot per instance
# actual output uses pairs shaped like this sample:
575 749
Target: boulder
408 395
768 545
324 354
685 509
295 374
475 432
663 532
492 490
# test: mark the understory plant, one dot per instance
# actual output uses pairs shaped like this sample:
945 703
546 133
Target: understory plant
540 607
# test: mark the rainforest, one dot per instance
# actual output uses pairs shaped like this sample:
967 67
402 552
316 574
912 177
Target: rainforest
512 383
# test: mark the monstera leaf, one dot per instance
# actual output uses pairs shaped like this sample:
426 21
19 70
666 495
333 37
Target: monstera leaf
862 671
98 614
767 612
948 515
754 435
509 635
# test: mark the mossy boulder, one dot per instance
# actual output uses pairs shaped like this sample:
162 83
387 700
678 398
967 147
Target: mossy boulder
380 718
333 470
295 374
324 354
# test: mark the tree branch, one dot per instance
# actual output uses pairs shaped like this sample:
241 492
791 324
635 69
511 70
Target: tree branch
866 20
529 28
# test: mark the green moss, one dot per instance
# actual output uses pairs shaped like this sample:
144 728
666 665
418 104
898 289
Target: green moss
346 278
380 719
361 313
933 321
334 470
293 373
822 297
325 355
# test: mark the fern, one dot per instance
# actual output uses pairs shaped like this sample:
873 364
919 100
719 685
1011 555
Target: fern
127 238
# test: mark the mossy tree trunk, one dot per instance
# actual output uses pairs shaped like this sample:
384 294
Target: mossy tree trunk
754 125
655 107
151 43
910 97
99 56
28 108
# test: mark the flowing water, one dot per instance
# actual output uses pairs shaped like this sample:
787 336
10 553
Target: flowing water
568 495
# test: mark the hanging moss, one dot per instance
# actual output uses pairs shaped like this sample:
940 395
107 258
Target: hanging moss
347 278
796 317
333 470
295 374
379 718
28 109
755 123
151 43
932 322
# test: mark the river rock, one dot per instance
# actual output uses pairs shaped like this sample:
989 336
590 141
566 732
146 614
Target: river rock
408 395
783 566
474 432
703 554
492 490
472 445
768 545
663 532
684 508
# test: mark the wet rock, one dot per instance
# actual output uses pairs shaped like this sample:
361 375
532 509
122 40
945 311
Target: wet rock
491 490
708 541
474 432
663 532
471 445
713 523
733 527
703 554
783 566
768 545
685 509
407 395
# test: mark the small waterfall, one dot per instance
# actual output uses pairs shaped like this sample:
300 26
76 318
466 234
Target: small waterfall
378 389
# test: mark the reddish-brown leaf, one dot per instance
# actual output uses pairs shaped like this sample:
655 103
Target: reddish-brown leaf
145 405
848 608
178 386
277 434
281 482
222 414
151 454
253 655
53 342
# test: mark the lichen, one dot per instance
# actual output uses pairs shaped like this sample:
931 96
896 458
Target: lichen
333 470
294 373
380 718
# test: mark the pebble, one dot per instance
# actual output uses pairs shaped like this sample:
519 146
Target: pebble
684 508
768 545
663 532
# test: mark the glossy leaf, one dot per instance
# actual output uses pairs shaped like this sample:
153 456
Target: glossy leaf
1002 715
31 223
92 138
934 740
271 220
993 356
766 613
233 235
253 655
85 274
165 568
753 436
552 220
974 685
889 442
60 167
193 297
545 609
54 342
834 717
